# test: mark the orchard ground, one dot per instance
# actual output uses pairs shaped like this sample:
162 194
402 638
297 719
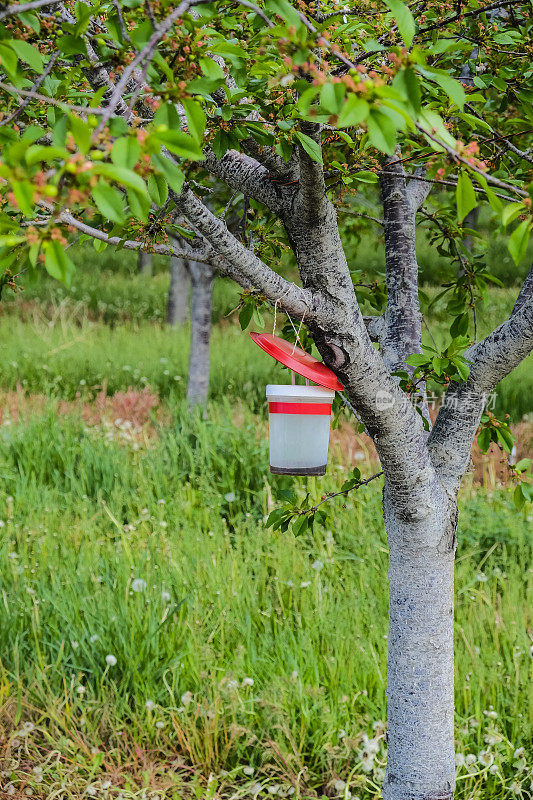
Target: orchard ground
156 639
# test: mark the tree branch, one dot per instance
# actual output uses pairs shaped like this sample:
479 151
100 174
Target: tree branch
491 360
146 247
312 200
32 92
244 174
9 11
243 265
403 320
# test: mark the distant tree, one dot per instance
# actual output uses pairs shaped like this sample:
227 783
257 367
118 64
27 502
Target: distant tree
144 263
178 292
124 126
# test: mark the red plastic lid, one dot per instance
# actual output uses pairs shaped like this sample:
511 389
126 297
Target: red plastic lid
298 360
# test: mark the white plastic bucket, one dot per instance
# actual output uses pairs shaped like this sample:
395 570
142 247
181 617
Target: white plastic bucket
298 419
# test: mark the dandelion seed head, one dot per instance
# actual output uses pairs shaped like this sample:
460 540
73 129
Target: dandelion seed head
110 660
186 698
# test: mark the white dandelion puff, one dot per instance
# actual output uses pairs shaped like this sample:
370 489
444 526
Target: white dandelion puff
110 660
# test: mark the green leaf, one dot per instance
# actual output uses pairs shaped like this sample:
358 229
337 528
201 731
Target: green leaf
518 497
125 152
39 152
353 112
328 98
459 326
23 191
483 439
196 119
495 202
139 203
417 360
465 196
511 212
523 464
121 175
181 144
275 517
453 88
365 176
26 52
158 189
8 59
211 69
72 45
381 132
99 246
172 173
310 146
109 202
81 133
30 20
300 526
246 315
285 11
11 239
57 262
406 81
462 367
505 438
404 19
518 240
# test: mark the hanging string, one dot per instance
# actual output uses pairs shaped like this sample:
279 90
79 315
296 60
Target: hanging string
297 332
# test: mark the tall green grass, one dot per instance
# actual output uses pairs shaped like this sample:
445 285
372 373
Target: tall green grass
235 646
57 347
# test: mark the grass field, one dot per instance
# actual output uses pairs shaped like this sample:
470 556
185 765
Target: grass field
156 639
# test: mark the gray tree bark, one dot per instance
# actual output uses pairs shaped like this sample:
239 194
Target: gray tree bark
144 263
202 278
420 687
178 292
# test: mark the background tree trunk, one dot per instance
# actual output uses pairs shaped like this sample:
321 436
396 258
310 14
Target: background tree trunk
178 292
144 263
420 755
202 299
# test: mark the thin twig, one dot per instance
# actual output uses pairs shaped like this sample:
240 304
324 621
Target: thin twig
474 13
42 97
47 70
19 8
413 177
337 494
122 23
359 214
457 157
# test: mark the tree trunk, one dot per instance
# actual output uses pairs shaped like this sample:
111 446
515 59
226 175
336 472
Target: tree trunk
471 221
144 264
202 297
178 292
420 756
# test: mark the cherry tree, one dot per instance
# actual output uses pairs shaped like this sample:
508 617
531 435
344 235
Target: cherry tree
228 133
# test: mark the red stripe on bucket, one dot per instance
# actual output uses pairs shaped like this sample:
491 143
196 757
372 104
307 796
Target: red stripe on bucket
321 409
